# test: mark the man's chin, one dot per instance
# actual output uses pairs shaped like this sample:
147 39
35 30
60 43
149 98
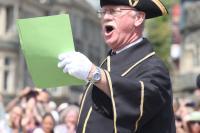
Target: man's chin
109 41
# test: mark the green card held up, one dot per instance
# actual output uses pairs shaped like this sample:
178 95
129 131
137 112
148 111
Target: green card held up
42 39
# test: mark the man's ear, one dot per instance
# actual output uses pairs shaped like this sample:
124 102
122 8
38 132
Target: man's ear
139 18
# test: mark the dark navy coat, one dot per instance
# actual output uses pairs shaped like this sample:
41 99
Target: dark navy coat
141 95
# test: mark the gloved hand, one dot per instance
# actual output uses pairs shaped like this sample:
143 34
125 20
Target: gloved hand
76 64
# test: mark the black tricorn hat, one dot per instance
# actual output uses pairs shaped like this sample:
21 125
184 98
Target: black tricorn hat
152 8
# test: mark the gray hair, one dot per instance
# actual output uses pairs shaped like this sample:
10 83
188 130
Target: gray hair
70 108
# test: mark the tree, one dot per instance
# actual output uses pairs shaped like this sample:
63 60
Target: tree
159 32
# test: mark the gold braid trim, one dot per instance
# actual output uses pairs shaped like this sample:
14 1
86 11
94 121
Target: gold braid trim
141 105
108 64
86 120
137 63
133 3
161 6
113 101
83 100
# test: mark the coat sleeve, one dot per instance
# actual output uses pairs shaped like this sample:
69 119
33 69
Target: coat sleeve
137 99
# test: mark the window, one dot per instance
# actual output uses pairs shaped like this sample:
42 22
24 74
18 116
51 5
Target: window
9 17
6 18
5 85
2 20
7 72
7 61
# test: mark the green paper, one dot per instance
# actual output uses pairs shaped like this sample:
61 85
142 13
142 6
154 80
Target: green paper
42 39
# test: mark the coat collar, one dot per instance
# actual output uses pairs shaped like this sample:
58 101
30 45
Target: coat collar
132 54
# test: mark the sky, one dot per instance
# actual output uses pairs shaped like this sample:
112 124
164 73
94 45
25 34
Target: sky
94 3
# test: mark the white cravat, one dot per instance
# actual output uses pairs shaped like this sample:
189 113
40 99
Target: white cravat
128 46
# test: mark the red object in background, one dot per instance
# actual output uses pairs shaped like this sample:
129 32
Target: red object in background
176 10
176 13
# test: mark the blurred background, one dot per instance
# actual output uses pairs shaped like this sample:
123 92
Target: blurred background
176 39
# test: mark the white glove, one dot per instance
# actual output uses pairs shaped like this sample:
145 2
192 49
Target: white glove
76 64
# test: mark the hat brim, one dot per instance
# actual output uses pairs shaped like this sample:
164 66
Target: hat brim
152 8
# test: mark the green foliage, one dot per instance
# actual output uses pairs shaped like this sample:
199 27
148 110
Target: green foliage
159 33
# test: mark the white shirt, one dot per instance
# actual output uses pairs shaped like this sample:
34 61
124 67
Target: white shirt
128 46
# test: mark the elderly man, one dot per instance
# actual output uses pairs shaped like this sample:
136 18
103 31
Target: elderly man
131 90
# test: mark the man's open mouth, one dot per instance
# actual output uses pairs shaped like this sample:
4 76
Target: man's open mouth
109 28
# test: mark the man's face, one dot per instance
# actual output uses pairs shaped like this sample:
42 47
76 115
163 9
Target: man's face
118 24
43 97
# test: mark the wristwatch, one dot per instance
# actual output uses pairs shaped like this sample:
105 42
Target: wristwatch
96 75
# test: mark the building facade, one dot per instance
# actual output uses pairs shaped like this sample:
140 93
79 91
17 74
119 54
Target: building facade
86 32
189 67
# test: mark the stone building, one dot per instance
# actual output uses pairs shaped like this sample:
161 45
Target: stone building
185 77
85 27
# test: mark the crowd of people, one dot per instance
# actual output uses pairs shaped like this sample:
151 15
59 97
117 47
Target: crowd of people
33 112
187 113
